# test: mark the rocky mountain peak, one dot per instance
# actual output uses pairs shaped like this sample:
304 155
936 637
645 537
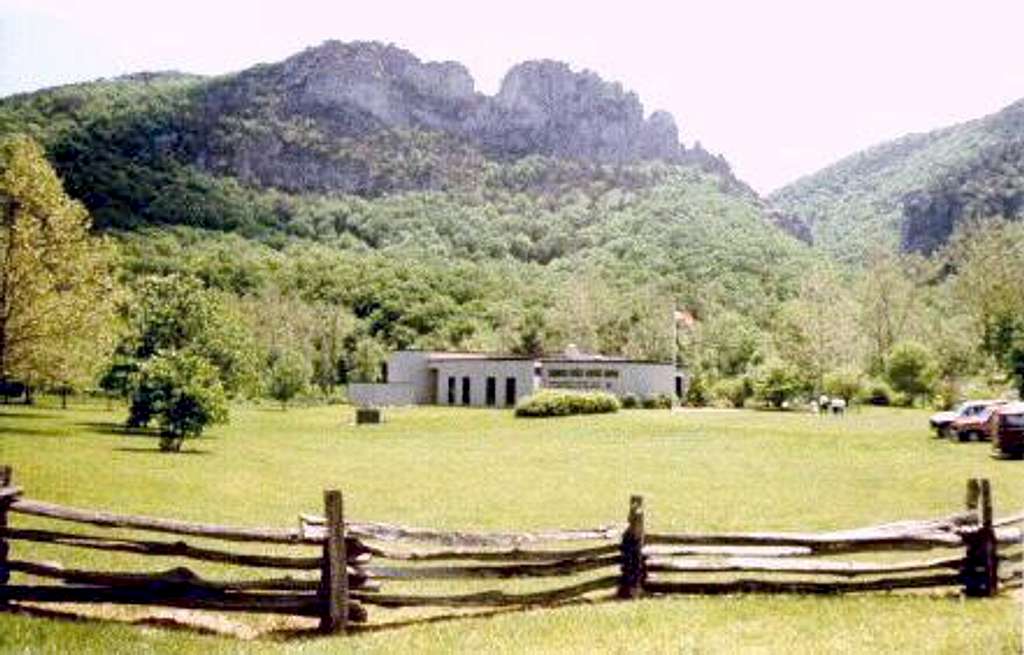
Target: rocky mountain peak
544 106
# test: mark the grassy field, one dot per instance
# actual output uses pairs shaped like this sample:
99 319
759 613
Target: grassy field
479 469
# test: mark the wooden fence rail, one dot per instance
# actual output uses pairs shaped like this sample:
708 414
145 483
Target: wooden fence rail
356 559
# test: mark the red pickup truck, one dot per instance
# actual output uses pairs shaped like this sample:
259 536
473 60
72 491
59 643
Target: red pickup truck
1006 429
975 425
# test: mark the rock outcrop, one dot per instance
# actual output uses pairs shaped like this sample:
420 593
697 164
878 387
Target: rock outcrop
328 106
544 107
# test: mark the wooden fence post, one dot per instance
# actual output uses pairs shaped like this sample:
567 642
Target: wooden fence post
973 496
5 573
334 570
634 570
980 572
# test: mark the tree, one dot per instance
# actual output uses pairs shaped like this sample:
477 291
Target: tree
990 285
775 382
184 352
817 331
366 361
56 281
890 303
289 376
183 392
910 369
846 383
177 312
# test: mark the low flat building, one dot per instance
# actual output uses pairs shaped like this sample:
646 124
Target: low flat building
413 377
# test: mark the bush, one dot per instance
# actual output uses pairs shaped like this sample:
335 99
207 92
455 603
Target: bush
289 377
731 392
659 401
878 392
697 394
911 369
846 383
183 392
630 401
552 402
775 383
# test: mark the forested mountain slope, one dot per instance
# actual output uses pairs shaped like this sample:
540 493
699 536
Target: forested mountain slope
912 192
364 146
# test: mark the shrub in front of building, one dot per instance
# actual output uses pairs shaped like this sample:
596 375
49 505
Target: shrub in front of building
630 401
554 402
659 401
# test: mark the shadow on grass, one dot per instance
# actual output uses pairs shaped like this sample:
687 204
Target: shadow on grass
36 432
311 633
71 617
156 450
117 429
361 628
6 413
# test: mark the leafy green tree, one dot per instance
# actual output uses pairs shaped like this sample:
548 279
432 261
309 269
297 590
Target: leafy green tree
183 353
910 369
178 313
776 382
56 280
817 331
890 303
990 285
366 361
846 383
182 391
531 336
289 377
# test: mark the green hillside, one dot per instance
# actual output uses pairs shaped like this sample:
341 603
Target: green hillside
899 193
444 220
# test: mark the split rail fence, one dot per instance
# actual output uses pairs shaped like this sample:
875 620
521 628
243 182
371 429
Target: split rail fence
976 553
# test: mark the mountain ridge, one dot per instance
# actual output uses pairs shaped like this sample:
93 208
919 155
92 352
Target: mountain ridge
896 193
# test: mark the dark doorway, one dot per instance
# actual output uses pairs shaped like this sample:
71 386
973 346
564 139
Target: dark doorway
465 391
510 391
451 390
492 392
432 382
679 386
384 372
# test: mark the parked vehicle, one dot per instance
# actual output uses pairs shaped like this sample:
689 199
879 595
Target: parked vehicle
941 421
1006 429
975 425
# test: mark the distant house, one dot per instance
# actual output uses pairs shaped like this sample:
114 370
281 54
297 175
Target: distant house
413 377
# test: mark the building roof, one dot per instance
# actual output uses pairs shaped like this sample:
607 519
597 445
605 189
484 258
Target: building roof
553 358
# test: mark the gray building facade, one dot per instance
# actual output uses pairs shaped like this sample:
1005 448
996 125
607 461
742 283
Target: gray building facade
487 380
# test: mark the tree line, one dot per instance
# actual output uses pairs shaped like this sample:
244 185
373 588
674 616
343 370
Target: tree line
181 320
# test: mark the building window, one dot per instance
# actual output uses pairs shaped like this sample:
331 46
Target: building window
451 390
492 391
510 391
465 391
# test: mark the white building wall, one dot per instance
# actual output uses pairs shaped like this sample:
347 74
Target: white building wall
411 366
620 378
372 394
478 370
418 377
647 379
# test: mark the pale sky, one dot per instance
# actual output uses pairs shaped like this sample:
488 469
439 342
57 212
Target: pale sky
780 87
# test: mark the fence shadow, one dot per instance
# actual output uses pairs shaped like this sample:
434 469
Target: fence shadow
20 414
165 623
156 451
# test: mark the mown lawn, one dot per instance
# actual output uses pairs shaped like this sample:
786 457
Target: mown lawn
479 469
